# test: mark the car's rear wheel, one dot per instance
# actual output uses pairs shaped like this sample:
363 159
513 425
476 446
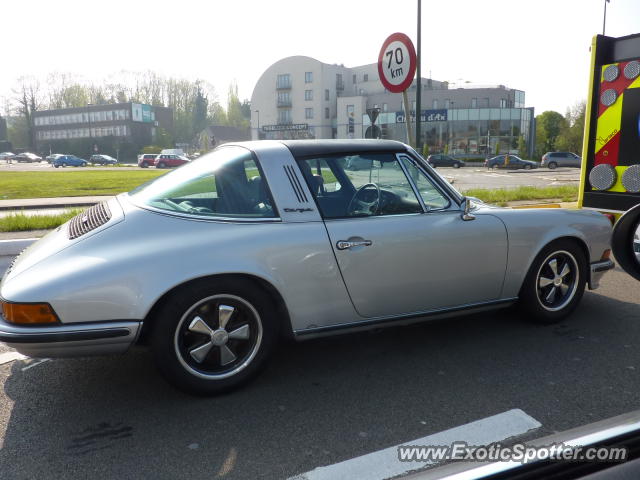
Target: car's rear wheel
162 165
527 167
64 164
555 282
553 165
456 165
495 166
214 336
144 165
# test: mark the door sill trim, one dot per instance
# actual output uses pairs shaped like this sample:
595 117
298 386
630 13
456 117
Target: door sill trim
405 318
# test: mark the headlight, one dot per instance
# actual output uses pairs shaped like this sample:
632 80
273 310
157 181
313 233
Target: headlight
28 313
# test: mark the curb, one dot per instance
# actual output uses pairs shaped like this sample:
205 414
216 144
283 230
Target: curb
14 247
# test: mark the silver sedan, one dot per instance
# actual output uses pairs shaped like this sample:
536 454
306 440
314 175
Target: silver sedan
212 263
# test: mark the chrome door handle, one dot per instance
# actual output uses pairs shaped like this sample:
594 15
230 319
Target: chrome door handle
344 244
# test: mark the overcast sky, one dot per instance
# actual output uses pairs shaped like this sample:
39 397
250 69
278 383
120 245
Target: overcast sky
539 46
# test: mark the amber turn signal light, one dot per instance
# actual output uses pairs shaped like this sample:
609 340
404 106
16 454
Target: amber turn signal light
28 313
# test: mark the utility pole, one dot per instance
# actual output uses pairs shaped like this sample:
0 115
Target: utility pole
419 80
604 19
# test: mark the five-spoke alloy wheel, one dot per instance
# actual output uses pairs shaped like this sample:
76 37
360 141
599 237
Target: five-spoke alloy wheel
555 282
213 335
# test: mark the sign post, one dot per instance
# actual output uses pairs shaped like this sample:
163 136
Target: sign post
397 67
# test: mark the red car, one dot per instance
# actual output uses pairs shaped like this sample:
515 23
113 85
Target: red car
146 159
164 161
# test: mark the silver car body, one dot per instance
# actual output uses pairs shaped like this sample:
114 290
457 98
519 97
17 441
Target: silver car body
104 284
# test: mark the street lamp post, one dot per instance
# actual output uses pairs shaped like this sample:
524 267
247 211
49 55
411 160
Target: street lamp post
90 134
258 127
604 19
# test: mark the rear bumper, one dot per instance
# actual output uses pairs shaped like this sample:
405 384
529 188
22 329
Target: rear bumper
597 270
71 340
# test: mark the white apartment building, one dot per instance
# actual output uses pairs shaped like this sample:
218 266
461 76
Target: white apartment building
301 97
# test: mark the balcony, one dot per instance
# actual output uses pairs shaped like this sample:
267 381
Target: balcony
339 85
284 103
283 85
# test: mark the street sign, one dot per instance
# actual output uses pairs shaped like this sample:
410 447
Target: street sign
373 114
397 63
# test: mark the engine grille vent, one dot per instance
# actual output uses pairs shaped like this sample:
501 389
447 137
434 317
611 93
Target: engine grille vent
89 220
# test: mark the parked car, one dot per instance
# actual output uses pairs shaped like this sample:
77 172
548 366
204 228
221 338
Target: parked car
560 159
26 157
52 157
259 240
170 160
6 155
146 160
511 162
69 161
440 160
102 160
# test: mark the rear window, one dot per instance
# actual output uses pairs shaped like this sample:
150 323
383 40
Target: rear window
224 183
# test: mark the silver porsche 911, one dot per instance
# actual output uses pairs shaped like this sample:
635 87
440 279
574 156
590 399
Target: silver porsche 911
212 263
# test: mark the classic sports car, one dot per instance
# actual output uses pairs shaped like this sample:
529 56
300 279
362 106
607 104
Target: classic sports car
211 263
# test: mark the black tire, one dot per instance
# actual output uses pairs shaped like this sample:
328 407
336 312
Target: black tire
527 167
456 165
178 332
161 165
64 164
57 166
553 165
536 300
144 165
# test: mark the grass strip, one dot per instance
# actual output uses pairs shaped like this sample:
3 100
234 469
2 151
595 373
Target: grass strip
564 193
19 222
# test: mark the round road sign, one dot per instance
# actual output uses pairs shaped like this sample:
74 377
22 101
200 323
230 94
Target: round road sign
397 63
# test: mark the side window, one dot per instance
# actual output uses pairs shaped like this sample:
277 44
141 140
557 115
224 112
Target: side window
431 196
362 185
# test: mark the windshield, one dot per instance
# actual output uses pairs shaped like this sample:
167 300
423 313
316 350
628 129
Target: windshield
225 183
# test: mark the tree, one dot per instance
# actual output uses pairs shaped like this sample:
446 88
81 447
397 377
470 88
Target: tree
522 146
235 117
28 101
549 124
570 138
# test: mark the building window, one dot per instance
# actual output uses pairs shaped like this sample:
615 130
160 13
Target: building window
326 95
474 103
446 103
385 107
283 81
354 78
284 116
503 103
308 77
366 77
326 113
308 94
435 104
284 99
308 113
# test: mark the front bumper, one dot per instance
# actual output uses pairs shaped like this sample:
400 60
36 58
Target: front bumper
70 340
597 270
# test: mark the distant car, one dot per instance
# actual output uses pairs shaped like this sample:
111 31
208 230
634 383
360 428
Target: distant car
511 162
170 160
6 155
69 161
26 157
146 159
560 159
440 160
52 157
102 160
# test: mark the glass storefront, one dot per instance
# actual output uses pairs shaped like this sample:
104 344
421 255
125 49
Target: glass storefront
478 131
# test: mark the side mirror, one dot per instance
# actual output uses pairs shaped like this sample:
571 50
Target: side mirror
625 242
466 208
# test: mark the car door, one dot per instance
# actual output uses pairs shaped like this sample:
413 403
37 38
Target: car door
415 253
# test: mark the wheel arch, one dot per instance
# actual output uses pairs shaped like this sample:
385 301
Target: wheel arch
579 242
286 329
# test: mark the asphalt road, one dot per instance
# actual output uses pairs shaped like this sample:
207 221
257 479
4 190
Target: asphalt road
322 401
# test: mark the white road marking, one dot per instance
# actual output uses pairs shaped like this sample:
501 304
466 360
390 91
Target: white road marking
384 464
10 357
35 364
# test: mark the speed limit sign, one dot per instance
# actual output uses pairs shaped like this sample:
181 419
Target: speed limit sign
397 63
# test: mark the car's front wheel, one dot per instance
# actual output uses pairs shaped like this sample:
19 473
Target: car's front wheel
213 336
161 165
553 165
527 167
456 165
555 282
